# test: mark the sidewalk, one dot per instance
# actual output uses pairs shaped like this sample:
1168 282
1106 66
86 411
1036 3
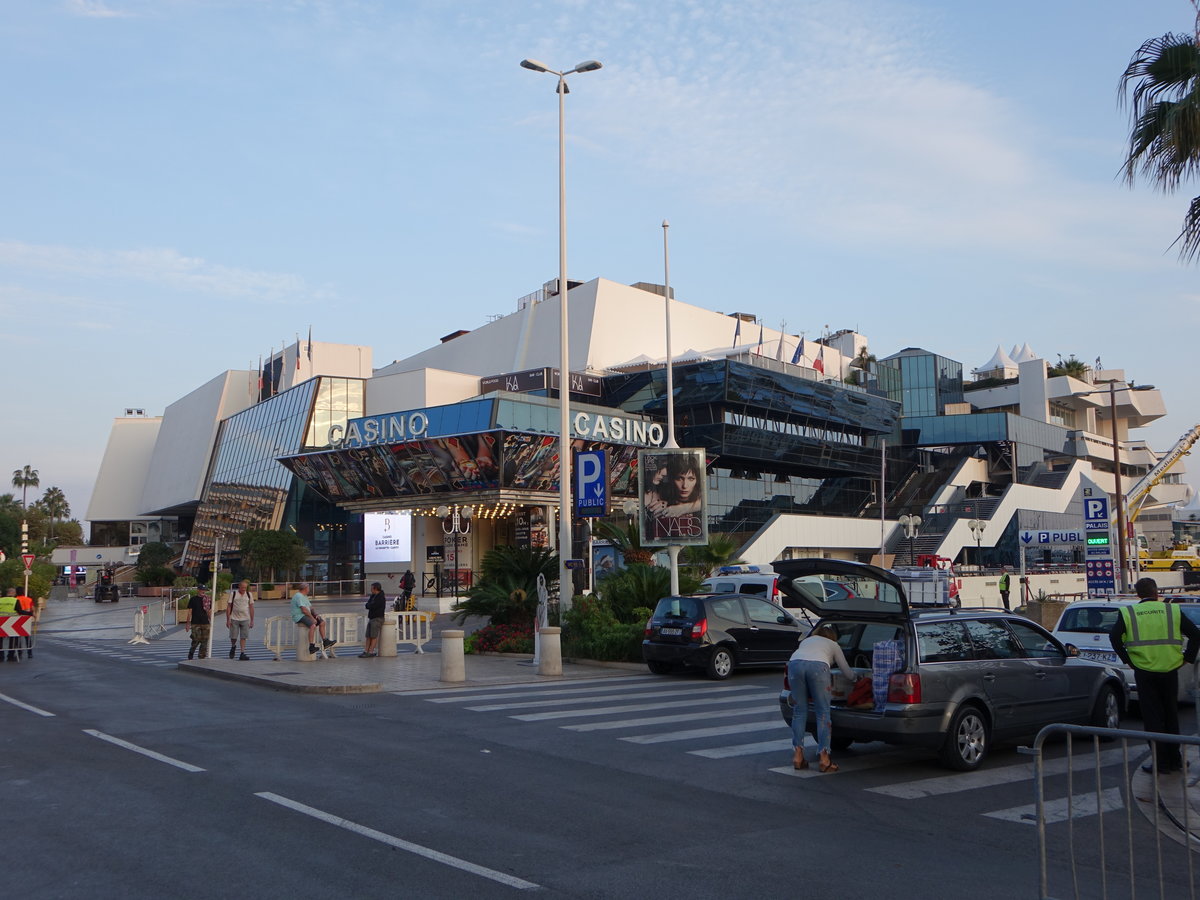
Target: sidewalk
345 674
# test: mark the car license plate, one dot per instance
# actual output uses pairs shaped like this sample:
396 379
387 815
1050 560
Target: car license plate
670 631
1103 656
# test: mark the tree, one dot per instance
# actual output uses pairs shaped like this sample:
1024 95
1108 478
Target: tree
152 566
506 591
54 504
721 550
1076 368
70 533
25 479
628 540
273 552
1162 82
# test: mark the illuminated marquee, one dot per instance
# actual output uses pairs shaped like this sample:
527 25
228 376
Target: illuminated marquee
618 428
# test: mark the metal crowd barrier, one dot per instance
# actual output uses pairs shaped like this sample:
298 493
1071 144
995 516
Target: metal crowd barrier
18 635
1118 847
349 629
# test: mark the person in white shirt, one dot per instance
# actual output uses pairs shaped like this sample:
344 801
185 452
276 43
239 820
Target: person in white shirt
239 618
809 675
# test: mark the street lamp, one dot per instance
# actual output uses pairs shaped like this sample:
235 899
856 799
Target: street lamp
977 527
911 525
565 589
455 521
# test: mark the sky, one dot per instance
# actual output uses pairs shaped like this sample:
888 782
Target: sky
188 184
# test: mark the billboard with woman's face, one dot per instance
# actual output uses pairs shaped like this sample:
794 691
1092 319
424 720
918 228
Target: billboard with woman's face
671 497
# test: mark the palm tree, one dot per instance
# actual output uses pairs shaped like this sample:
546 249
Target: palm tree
1072 366
1164 139
24 479
54 502
627 540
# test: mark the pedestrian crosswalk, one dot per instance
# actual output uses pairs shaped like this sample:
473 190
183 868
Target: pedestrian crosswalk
732 721
162 654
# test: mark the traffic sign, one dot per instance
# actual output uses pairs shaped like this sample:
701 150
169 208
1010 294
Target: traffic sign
15 626
591 483
1051 537
1095 512
28 559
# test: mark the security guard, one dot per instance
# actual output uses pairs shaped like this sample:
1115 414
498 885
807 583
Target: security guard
1148 636
8 607
25 607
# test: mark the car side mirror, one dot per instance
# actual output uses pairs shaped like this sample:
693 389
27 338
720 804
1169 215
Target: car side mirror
785 620
1071 649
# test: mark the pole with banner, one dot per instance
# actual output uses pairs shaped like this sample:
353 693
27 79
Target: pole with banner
672 502
212 613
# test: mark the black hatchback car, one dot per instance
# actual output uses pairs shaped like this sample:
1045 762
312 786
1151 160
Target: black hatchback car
718 632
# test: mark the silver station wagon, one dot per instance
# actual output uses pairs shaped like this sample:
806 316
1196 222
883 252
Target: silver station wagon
953 680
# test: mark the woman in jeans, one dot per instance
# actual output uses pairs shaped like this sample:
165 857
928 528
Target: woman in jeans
809 676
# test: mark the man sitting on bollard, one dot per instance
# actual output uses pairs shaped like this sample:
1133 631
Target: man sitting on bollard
302 614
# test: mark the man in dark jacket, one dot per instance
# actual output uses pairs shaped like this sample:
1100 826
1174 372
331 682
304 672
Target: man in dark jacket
199 622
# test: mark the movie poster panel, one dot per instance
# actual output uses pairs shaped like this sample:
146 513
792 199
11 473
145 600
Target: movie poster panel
671 497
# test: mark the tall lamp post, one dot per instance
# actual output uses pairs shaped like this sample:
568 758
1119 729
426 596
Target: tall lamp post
565 589
456 521
977 527
911 525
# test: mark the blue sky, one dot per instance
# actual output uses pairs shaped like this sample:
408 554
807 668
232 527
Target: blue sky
188 183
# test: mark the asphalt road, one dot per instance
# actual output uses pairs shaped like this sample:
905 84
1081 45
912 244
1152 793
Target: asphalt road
259 793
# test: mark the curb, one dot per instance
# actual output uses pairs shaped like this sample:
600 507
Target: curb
268 681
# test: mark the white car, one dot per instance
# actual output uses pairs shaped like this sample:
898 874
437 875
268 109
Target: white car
1086 624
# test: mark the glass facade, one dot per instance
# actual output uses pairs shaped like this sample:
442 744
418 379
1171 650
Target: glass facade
927 382
247 488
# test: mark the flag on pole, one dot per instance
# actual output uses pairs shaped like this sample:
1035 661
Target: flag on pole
758 349
798 356
779 348
737 333
819 362
310 345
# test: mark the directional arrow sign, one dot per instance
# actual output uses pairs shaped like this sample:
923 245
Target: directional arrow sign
591 483
15 626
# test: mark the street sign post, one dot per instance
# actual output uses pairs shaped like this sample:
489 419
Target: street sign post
1048 538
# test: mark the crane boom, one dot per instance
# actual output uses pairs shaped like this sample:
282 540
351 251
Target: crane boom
1136 495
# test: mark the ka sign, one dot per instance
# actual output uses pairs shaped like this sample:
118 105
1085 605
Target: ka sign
591 483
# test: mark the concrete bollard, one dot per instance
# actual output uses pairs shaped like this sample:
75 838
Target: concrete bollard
389 636
302 654
551 656
453 661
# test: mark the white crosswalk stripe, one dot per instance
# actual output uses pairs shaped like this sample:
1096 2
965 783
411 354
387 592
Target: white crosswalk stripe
160 654
610 707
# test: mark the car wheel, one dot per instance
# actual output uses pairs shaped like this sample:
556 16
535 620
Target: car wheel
658 667
1107 711
968 741
720 664
1181 566
840 744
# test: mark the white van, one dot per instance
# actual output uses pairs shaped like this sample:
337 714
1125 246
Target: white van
743 580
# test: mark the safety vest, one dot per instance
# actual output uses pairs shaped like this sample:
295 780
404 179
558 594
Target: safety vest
8 606
24 604
1004 582
1153 635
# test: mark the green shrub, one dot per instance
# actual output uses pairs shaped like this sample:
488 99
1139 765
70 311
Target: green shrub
502 639
591 631
506 591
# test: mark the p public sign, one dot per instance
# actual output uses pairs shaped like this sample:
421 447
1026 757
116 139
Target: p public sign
1095 512
1045 538
591 483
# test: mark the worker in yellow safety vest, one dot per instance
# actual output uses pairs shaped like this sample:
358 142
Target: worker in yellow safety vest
1148 636
8 607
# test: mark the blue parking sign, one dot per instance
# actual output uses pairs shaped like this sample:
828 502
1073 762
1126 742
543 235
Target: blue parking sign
591 483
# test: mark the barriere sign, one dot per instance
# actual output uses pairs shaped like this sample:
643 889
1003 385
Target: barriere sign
15 626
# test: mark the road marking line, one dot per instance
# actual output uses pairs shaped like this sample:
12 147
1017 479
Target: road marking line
518 694
968 781
702 732
449 692
32 709
662 720
399 844
605 698
170 761
636 707
744 749
1082 806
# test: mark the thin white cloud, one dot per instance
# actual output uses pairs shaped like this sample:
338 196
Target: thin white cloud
160 266
94 9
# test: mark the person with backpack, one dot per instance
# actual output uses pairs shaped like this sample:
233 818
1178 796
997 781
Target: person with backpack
407 582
